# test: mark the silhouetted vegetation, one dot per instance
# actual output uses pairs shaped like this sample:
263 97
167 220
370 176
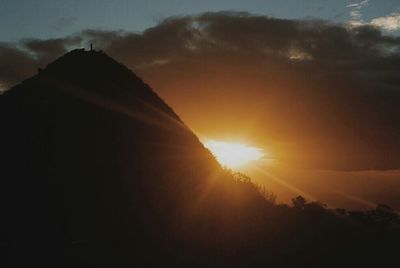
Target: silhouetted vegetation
97 171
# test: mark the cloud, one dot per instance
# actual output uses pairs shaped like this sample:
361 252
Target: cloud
15 65
355 13
316 94
45 51
388 23
358 5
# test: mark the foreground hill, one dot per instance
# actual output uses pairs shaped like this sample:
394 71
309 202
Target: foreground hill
98 171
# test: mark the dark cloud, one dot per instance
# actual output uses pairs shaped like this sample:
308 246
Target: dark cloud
45 51
318 94
165 42
15 64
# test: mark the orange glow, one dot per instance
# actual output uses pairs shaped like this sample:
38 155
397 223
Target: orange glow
233 155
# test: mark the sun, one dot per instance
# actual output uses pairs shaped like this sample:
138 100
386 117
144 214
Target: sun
233 155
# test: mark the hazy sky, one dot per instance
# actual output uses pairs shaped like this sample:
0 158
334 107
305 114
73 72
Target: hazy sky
54 18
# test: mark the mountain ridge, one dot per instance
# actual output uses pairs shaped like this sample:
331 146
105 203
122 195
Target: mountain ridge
88 146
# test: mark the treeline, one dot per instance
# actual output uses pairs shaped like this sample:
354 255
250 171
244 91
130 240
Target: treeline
301 234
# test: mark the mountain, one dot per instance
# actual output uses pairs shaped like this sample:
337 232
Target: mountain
96 170
93 157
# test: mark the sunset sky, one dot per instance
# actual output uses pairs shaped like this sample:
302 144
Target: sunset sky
55 18
313 84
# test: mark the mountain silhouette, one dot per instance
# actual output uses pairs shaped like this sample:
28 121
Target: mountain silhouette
98 171
92 156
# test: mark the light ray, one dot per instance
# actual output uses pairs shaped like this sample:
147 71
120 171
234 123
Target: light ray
284 183
123 109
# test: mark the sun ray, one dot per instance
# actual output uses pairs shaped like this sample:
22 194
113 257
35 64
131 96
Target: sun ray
284 183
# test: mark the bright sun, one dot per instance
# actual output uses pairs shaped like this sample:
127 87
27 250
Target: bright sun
233 155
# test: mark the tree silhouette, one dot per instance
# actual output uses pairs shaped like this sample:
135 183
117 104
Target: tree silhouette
299 202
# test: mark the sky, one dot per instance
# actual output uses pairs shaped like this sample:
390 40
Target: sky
54 18
313 83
